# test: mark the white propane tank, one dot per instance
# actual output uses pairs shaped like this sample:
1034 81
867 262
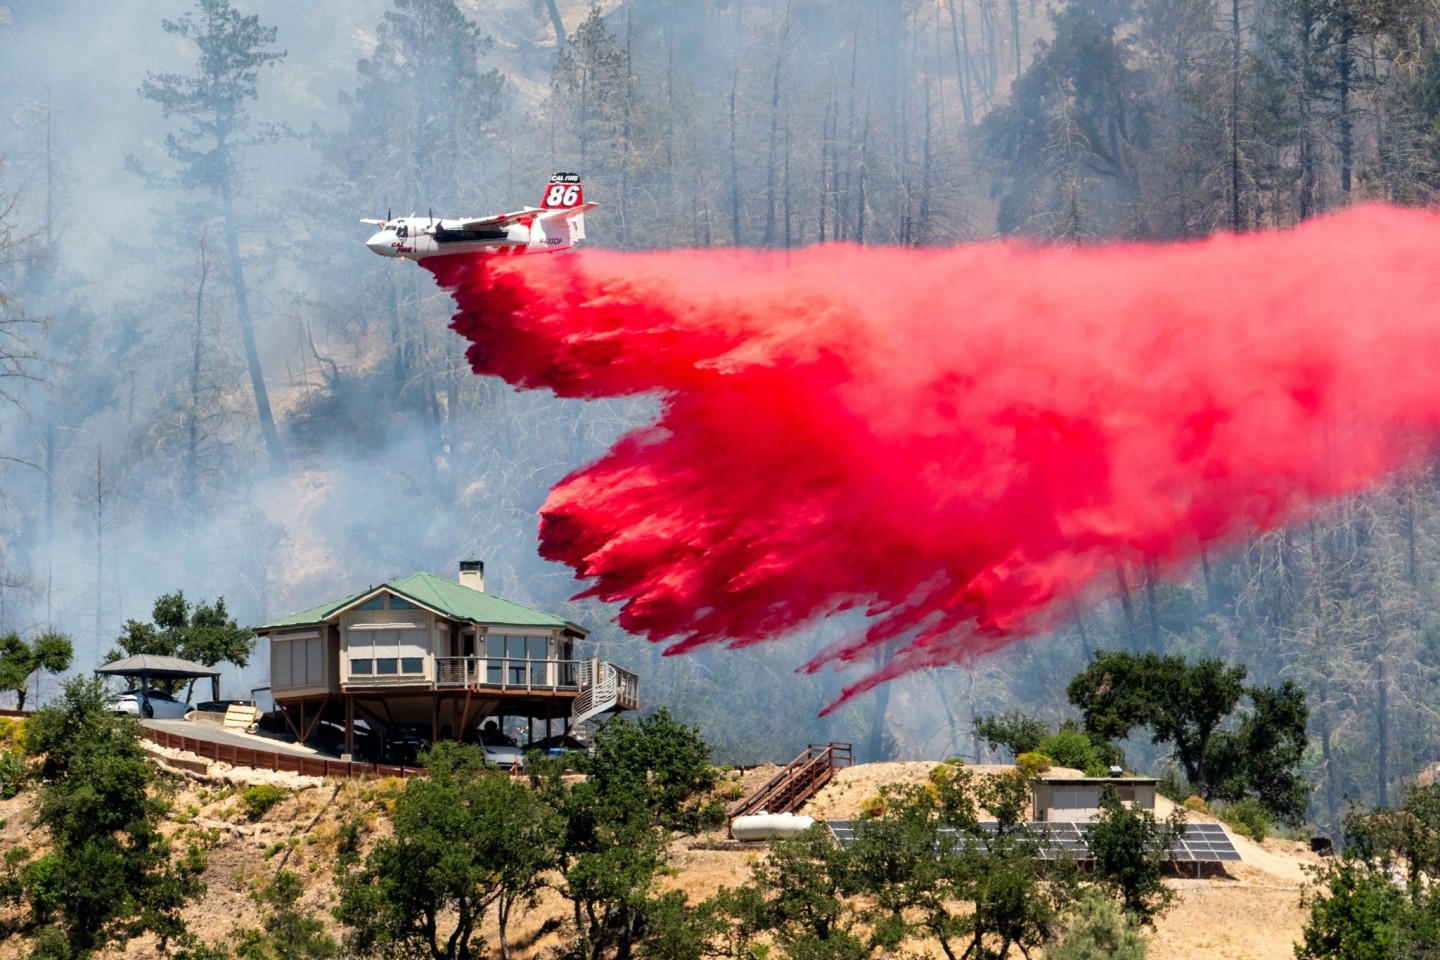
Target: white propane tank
763 826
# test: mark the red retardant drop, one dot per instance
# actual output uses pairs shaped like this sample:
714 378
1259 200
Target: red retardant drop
961 443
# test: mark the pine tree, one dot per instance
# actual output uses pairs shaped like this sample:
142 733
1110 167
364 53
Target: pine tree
208 146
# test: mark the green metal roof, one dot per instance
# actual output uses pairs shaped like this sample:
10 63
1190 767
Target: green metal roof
445 597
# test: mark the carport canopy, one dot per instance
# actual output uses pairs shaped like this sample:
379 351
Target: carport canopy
149 666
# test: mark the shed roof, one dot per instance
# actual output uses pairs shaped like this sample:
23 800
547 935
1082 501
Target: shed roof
445 597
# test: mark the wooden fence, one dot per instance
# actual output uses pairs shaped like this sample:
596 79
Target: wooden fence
239 756
271 760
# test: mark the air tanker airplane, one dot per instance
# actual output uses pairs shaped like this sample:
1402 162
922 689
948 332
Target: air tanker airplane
557 224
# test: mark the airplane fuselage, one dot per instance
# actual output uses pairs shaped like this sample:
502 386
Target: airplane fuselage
418 237
557 224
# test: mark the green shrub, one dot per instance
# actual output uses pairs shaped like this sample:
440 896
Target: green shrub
1071 748
260 798
1196 805
1248 818
710 815
1098 929
14 771
1173 786
1033 764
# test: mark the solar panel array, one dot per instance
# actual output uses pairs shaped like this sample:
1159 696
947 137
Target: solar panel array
1203 843
1197 842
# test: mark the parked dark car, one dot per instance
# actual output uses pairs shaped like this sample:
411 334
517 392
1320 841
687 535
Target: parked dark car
405 743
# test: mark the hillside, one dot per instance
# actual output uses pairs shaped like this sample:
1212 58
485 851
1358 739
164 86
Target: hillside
1252 911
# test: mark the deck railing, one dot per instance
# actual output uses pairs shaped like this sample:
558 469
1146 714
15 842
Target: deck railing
628 695
508 673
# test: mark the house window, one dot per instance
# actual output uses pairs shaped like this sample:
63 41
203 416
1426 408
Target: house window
400 603
516 660
386 653
297 660
374 603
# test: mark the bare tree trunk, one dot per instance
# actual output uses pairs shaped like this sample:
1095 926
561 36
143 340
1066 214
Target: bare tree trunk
100 496
191 481
962 60
876 749
1085 646
556 24
1122 585
1333 818
625 135
1152 605
1346 68
786 181
1015 33
1308 160
1236 225
860 189
734 166
927 162
247 336
826 162
771 158
1382 733
1209 580
990 45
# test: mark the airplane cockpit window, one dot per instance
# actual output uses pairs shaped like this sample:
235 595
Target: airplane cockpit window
402 231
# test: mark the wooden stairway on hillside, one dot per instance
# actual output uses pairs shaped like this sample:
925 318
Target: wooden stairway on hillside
801 779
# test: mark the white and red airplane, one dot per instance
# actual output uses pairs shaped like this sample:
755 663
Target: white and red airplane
557 224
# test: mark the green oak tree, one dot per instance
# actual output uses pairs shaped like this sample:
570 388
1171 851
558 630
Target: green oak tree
202 632
645 779
108 874
1128 848
21 659
466 839
1379 898
1189 707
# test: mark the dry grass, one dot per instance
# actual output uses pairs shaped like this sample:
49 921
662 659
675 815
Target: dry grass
1252 911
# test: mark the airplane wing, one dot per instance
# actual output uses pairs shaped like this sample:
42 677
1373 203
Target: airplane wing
499 220
559 213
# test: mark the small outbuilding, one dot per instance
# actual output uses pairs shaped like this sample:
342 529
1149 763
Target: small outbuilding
1077 799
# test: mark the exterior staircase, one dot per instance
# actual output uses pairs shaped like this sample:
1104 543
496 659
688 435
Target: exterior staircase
603 687
801 779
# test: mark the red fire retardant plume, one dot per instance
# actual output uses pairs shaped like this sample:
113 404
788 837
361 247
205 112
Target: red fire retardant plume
962 443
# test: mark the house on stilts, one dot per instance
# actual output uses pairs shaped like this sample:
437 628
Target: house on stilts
426 652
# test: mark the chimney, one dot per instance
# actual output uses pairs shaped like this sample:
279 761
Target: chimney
472 574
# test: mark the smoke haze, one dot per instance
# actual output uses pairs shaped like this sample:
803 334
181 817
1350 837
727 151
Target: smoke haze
958 442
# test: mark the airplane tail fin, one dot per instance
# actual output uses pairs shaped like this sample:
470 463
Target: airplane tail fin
565 200
564 191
